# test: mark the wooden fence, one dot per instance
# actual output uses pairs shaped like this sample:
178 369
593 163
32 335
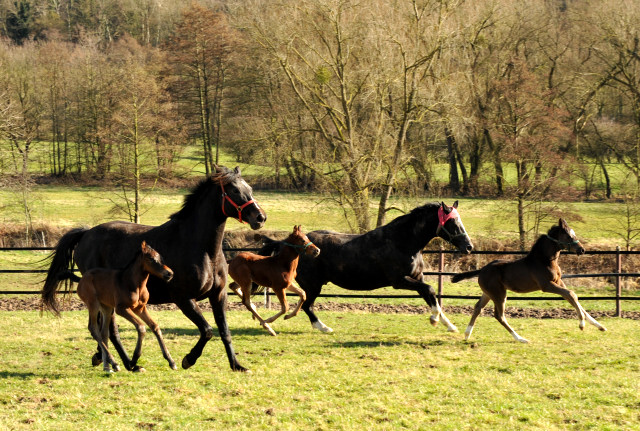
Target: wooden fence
616 275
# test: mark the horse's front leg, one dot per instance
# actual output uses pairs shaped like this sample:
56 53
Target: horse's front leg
143 313
429 295
191 309
303 297
218 300
114 336
284 305
245 294
128 314
569 295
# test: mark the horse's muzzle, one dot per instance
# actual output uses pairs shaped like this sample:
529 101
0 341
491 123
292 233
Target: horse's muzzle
167 275
580 251
256 218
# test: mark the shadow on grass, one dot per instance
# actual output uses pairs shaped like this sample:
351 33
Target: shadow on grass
388 343
244 331
16 375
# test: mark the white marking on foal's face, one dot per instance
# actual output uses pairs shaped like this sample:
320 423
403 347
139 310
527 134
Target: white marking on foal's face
572 233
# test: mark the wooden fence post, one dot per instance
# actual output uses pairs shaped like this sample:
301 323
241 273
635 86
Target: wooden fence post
440 269
618 283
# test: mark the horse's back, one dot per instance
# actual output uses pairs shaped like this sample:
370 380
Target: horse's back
516 275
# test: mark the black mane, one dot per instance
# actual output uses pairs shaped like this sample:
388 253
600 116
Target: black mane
223 176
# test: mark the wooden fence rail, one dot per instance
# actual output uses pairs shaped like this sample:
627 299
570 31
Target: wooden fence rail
617 275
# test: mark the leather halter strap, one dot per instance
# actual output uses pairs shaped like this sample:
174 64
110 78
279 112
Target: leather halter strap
444 217
301 248
239 208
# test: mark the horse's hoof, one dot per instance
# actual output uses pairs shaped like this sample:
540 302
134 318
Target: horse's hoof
96 360
185 363
174 366
239 368
602 328
270 330
321 327
523 340
434 320
116 367
452 329
139 370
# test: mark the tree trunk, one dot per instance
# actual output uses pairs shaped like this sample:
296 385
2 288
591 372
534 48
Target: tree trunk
454 180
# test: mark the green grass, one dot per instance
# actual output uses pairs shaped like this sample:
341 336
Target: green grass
375 372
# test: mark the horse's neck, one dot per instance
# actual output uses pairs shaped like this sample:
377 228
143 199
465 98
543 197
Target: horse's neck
544 249
134 276
287 256
414 235
202 231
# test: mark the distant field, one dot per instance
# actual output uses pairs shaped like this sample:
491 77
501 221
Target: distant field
597 223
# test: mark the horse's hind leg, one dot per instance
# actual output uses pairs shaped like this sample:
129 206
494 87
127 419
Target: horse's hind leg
499 315
429 295
572 298
482 302
302 295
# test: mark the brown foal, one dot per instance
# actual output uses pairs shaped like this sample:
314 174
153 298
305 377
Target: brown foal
277 272
538 270
125 291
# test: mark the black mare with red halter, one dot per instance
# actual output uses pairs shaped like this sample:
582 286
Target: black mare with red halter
190 243
390 255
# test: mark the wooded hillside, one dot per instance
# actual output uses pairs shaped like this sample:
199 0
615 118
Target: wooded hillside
362 99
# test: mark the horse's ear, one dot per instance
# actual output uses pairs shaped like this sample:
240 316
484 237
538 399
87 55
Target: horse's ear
143 246
237 170
562 223
455 204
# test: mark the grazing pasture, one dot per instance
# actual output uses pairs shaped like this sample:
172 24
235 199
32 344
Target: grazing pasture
377 371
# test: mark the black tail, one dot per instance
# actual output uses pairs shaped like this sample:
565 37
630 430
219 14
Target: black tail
464 275
68 275
60 268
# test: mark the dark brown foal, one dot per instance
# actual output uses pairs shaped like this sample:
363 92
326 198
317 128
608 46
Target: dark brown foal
125 290
538 270
277 272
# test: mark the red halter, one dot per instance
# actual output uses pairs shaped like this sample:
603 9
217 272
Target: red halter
239 208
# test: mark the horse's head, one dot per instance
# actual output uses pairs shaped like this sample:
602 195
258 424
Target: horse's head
451 229
300 242
565 237
237 198
152 262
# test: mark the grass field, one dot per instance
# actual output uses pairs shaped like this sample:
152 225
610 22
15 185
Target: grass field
376 371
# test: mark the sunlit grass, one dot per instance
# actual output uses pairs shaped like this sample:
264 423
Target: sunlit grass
375 372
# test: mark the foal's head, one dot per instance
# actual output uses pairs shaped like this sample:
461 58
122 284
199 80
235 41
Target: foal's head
300 242
152 263
565 237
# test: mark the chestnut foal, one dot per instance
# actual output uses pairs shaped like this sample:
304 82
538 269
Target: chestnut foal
538 270
125 290
277 272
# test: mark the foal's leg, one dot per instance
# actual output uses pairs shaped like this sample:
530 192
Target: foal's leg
102 335
302 295
429 295
128 314
482 302
499 315
143 313
284 305
246 300
570 296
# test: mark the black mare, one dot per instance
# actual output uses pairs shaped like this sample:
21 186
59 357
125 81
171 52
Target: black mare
190 243
390 255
